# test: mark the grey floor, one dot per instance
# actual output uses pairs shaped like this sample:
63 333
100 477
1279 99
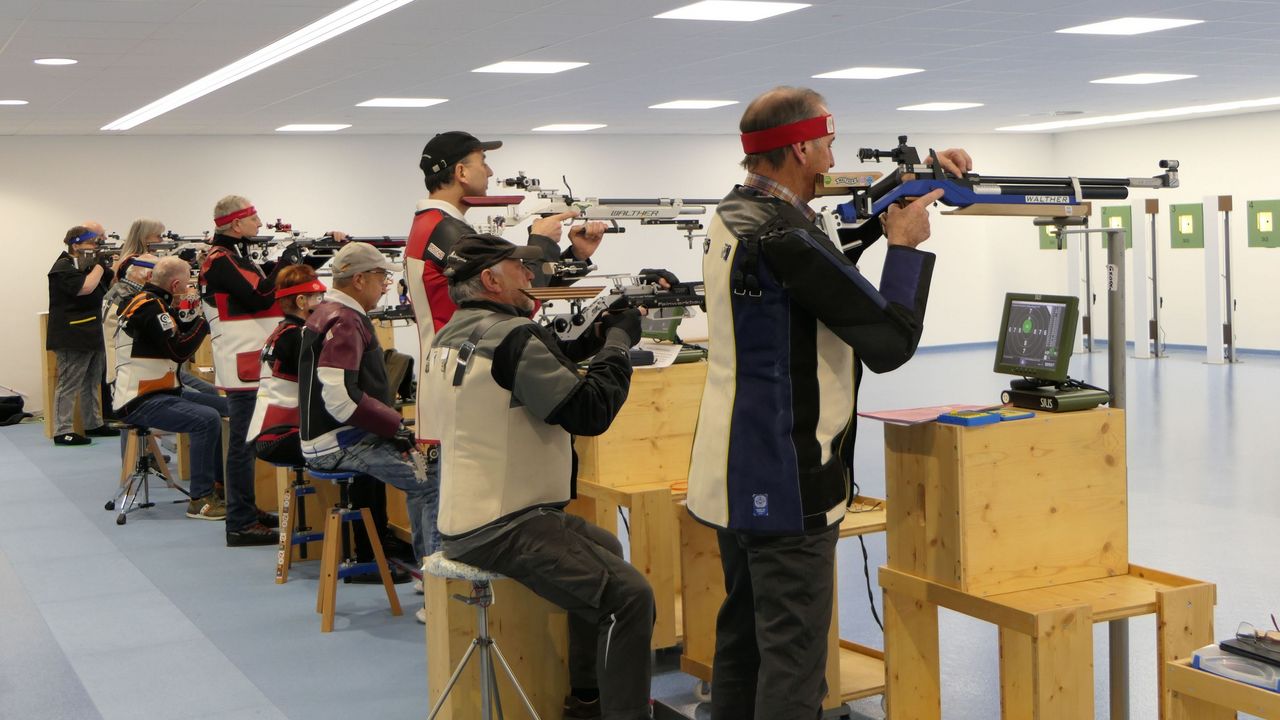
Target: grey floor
157 619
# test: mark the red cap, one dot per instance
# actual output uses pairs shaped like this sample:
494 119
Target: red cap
311 286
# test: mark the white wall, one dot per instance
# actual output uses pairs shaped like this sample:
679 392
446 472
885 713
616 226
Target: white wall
1220 156
368 185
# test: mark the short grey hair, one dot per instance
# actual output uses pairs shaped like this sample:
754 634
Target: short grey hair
228 205
470 289
139 274
168 269
782 105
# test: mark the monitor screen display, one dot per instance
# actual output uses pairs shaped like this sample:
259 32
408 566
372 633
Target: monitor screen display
1037 333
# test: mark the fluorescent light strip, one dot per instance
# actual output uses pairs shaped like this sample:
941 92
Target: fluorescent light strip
327 27
13 102
55 61
401 102
1129 26
692 104
529 67
731 10
867 73
941 106
1145 115
569 127
1141 79
312 127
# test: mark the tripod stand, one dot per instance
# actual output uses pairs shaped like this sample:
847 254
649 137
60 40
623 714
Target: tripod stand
146 462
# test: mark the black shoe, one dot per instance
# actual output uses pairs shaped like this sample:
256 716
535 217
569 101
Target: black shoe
71 439
396 548
575 709
255 534
398 577
268 519
102 431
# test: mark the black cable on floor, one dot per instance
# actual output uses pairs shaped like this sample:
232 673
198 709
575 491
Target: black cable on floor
625 524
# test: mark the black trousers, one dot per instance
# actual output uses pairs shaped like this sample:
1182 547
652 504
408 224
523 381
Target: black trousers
579 567
771 633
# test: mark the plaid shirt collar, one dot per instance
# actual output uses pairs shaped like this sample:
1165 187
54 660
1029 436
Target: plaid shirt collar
770 187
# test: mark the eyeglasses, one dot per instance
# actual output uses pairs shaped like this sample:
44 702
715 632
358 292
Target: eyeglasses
1261 639
386 276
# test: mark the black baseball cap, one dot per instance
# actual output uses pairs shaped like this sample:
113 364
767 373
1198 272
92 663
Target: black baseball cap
474 253
447 148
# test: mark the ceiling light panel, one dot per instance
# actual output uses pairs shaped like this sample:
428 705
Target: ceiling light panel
692 104
530 67
401 102
312 127
1141 79
13 102
867 73
731 10
569 127
1129 26
55 61
940 106
1166 113
336 23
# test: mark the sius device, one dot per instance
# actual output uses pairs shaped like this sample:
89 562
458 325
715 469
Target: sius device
1037 334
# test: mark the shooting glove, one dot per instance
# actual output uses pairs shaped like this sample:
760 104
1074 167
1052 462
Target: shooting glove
651 276
404 440
628 321
291 255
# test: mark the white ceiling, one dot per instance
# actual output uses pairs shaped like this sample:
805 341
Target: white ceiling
1003 53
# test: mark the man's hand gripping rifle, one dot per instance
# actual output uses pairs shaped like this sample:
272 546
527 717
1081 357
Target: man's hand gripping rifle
675 212
649 289
974 194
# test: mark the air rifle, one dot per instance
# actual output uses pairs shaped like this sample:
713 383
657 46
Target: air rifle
627 291
974 194
647 211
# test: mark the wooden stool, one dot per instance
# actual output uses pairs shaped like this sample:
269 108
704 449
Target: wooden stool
335 541
291 521
481 598
142 458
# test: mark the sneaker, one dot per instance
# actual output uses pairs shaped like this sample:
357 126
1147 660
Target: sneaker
207 508
255 534
220 491
102 431
575 709
71 439
268 519
421 615
417 587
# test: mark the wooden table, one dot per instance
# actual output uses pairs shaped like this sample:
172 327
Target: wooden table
1191 694
1024 525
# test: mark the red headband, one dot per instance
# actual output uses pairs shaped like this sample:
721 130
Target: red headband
784 135
234 216
311 286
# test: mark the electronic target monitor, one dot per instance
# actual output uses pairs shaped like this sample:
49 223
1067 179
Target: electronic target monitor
1037 334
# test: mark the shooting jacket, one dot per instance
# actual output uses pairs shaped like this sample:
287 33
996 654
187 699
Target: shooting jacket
276 410
149 345
74 321
119 294
343 392
792 323
437 226
239 302
504 398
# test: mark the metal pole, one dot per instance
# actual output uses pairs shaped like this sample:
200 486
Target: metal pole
1117 629
1088 296
1155 292
1229 332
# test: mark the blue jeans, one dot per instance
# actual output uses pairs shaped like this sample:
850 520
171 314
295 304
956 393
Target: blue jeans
242 501
378 458
199 416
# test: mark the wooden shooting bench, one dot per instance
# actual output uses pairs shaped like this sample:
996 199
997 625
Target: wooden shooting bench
1191 694
1023 524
